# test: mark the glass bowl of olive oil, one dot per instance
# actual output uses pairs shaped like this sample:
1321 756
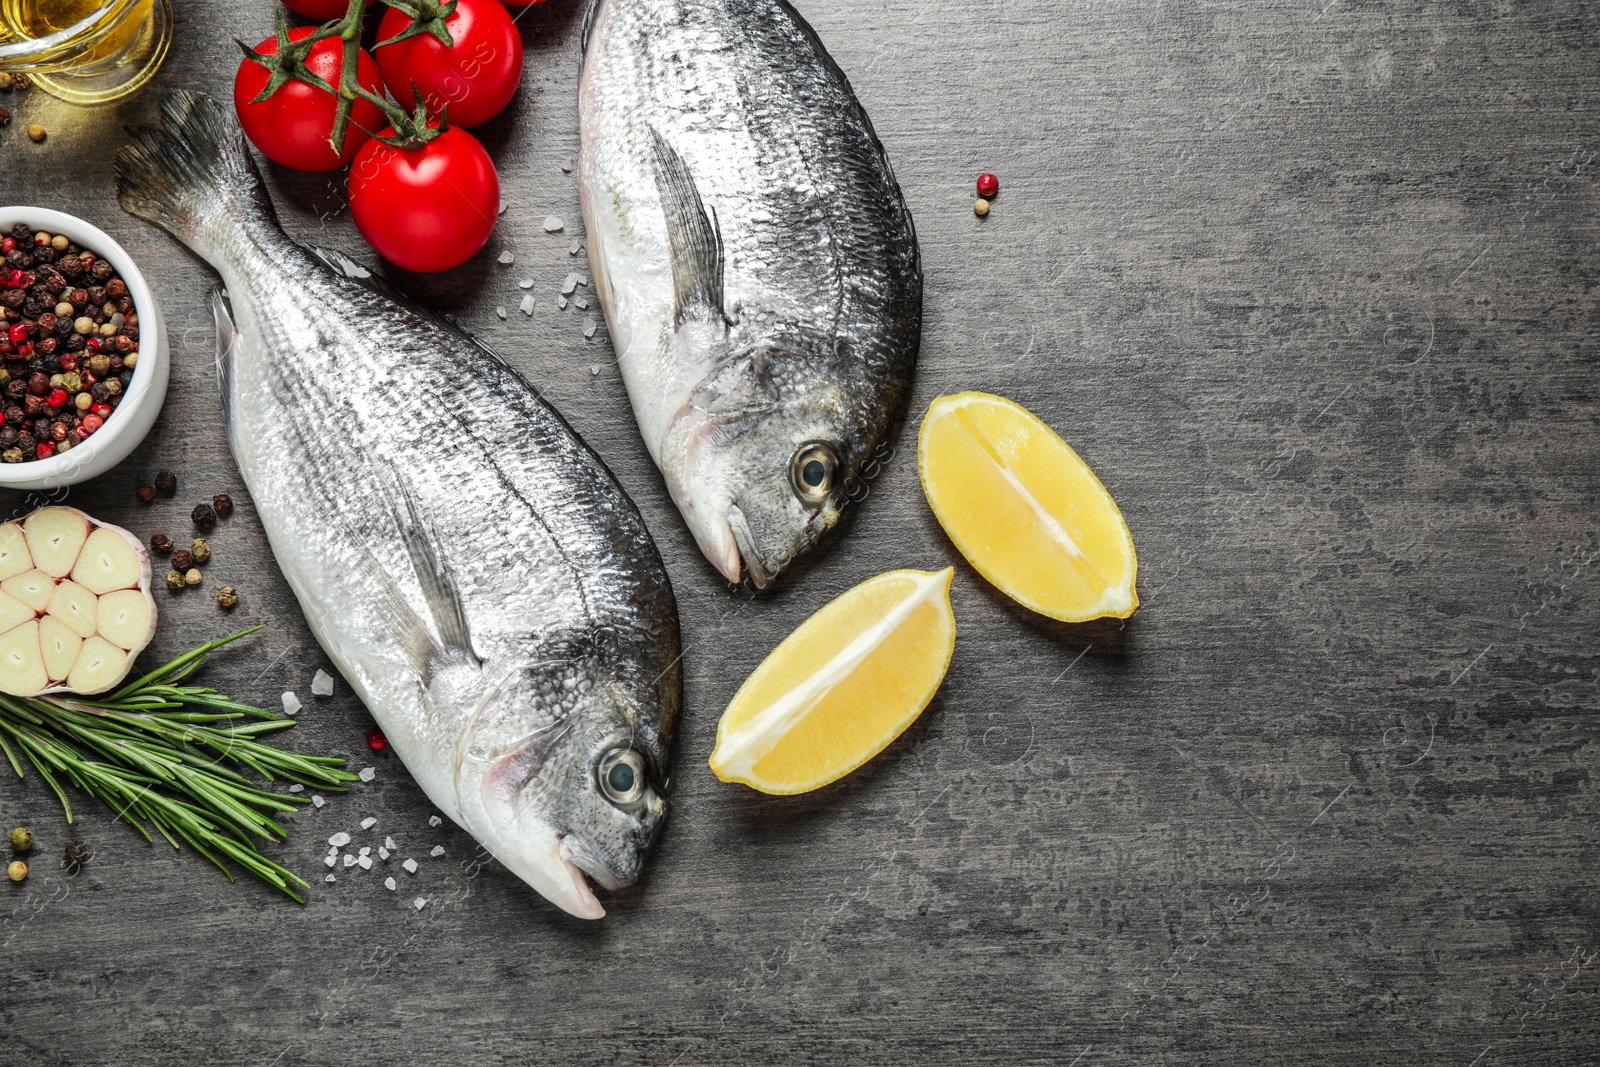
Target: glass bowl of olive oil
85 51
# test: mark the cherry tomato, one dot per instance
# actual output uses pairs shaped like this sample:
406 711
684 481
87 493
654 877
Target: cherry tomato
475 78
318 9
294 124
429 208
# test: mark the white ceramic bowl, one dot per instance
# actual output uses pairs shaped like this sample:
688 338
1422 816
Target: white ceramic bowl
141 403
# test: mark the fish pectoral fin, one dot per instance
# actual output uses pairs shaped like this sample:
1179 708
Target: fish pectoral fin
693 234
227 347
439 593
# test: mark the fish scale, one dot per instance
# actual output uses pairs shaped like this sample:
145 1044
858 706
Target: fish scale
755 260
469 565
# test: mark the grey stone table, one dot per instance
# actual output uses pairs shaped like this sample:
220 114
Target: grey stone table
1313 286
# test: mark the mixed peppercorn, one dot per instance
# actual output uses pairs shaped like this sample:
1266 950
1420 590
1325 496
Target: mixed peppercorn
186 562
70 344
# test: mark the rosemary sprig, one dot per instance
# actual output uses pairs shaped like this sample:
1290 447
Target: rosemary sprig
167 764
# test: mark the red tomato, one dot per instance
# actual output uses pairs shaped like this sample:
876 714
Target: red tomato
476 77
521 3
425 209
294 124
318 9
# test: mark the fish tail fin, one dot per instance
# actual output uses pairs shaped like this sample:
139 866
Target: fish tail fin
193 176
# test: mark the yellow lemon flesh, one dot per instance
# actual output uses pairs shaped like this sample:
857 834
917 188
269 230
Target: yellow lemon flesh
841 687
1027 513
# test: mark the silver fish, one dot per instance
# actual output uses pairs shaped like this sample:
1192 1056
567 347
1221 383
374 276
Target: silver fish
756 261
470 566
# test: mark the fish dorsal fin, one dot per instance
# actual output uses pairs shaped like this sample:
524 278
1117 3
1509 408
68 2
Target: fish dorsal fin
692 232
589 16
227 347
346 267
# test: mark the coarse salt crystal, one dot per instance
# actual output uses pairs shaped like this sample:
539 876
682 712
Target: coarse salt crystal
365 861
349 860
577 246
500 312
561 302
420 903
566 168
568 284
503 207
330 878
367 774
507 258
333 850
317 801
388 843
583 279
364 850
410 865
582 303
339 840
526 307
297 788
369 822
389 884
589 328
526 283
437 850
553 224
330 859
383 853
434 820
291 704
594 368
322 684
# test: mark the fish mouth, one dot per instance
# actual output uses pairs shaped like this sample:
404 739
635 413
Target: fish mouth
760 576
575 855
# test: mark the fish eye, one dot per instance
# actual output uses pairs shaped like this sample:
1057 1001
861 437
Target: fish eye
621 774
814 468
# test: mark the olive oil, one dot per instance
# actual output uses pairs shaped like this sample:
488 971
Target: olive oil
40 18
85 51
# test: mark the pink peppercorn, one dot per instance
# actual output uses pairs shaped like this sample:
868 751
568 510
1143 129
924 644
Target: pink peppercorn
988 186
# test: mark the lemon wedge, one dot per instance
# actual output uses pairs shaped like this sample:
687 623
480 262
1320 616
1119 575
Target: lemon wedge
1025 510
840 688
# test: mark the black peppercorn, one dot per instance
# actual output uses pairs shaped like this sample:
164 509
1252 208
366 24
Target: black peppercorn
204 516
103 270
38 383
182 559
8 438
222 504
16 389
13 298
144 492
161 543
166 483
74 856
21 231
